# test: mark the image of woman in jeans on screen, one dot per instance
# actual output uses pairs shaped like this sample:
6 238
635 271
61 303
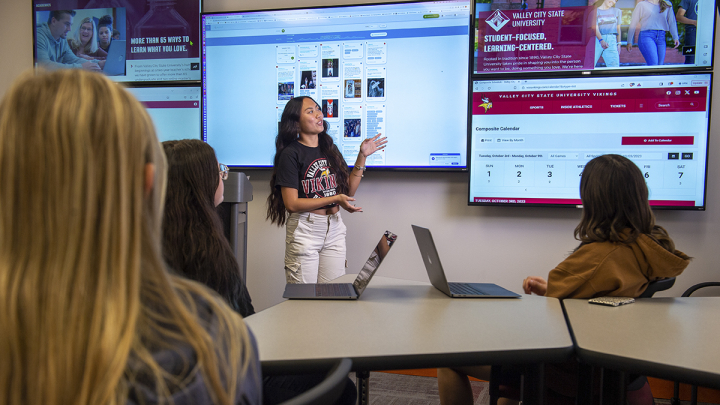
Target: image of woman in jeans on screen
655 18
607 31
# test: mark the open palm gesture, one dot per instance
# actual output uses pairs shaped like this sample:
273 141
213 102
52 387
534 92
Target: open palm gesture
372 145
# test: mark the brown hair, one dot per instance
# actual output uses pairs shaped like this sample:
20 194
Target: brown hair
193 240
615 204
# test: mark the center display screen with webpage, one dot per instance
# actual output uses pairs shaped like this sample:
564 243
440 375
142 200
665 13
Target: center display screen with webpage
571 35
401 70
531 139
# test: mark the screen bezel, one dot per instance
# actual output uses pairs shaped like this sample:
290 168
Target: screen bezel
368 168
130 83
570 205
640 71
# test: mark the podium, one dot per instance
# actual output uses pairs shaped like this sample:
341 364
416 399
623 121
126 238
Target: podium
233 213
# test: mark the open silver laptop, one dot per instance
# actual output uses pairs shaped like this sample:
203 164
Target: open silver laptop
437 274
344 291
115 61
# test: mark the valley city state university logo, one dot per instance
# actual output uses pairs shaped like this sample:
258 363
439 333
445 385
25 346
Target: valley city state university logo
486 103
318 181
497 20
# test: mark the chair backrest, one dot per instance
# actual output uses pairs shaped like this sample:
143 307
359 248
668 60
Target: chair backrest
329 390
657 285
699 286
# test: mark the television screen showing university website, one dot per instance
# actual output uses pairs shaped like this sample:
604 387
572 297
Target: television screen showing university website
531 139
127 40
401 70
175 111
589 35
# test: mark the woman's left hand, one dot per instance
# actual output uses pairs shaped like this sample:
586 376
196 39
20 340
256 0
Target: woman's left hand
677 43
372 145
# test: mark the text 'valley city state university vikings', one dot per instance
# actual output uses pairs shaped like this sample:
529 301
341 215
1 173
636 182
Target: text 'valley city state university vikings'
319 182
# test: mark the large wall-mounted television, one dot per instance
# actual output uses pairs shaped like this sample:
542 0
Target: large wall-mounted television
531 138
556 36
400 69
127 40
175 110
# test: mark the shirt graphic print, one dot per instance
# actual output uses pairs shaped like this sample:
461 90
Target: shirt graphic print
318 182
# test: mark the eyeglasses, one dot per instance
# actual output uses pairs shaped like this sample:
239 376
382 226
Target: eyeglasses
224 171
86 29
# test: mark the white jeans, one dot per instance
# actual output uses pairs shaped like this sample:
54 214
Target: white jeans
314 248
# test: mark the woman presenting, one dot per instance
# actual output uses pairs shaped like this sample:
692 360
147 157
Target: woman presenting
310 181
655 18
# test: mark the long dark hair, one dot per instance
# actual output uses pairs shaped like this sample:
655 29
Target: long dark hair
194 243
287 134
615 198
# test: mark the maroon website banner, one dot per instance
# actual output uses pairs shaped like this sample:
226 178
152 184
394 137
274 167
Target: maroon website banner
569 201
534 39
677 99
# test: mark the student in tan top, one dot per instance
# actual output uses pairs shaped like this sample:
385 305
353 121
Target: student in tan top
621 250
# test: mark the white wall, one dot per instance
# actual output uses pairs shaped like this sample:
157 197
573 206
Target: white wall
493 244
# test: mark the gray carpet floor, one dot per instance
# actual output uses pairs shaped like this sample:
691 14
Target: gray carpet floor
397 389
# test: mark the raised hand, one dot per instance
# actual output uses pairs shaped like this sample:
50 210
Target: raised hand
372 145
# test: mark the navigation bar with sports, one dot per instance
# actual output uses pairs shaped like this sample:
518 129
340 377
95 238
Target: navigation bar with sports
530 139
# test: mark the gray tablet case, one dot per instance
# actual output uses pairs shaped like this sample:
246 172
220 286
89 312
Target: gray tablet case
344 291
437 274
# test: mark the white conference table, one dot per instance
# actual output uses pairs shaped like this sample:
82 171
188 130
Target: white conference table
401 324
670 338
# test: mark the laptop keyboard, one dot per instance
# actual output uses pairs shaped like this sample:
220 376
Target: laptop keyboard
464 289
332 290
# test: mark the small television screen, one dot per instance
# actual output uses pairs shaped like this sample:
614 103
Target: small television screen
127 40
175 110
599 36
399 69
530 139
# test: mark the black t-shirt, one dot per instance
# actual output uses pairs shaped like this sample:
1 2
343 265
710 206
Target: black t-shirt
308 171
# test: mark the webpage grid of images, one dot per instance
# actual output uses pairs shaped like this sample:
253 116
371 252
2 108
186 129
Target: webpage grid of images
348 79
366 66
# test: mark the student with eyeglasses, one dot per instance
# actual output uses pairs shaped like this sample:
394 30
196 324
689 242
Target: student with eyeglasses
194 243
195 246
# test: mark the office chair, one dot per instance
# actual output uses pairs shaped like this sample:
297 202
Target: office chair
657 285
329 390
675 400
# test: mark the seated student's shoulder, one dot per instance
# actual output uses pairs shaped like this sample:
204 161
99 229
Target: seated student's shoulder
180 360
589 256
